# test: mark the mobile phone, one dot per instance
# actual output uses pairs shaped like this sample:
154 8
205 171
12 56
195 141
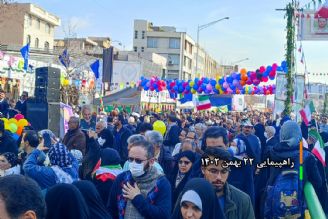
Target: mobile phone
47 140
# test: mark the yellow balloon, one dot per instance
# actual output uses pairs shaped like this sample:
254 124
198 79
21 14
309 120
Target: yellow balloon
193 91
6 126
159 126
5 120
22 123
217 86
191 83
66 82
12 120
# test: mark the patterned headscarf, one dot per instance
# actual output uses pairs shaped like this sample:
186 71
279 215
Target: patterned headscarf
59 155
11 157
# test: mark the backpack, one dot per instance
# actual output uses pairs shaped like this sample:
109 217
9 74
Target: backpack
284 198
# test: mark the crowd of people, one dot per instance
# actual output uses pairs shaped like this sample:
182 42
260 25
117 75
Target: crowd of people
205 165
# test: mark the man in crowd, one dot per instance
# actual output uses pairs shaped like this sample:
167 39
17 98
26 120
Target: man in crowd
141 192
254 141
234 202
171 137
162 155
21 197
75 138
21 104
121 135
7 142
4 105
105 136
88 121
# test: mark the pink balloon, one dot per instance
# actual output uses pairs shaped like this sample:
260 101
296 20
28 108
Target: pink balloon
235 83
265 79
249 81
225 85
262 69
18 117
274 66
209 87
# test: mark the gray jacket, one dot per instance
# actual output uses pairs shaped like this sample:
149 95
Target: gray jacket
238 204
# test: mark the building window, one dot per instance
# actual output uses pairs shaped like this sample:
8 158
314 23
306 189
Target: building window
190 49
320 89
39 24
135 34
190 63
30 20
184 61
28 39
135 49
142 49
47 26
46 46
174 43
151 42
186 45
173 59
143 34
36 43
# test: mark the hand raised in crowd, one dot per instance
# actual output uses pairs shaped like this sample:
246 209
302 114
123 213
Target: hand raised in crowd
41 146
92 134
130 191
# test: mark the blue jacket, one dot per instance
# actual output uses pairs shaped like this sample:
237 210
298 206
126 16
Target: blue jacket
156 205
46 176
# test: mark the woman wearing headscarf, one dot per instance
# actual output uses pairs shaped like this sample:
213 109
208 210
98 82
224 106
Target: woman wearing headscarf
199 201
93 200
63 169
181 173
288 148
66 201
105 172
8 164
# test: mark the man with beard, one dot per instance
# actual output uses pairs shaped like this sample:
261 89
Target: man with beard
140 192
121 135
75 138
21 104
105 136
88 121
235 203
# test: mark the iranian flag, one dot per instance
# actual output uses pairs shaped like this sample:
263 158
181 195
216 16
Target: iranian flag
306 113
203 103
318 150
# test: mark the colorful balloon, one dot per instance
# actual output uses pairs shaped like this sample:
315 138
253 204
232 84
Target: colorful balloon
12 127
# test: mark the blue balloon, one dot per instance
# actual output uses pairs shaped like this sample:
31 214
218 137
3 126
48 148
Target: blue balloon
213 82
269 68
180 88
157 90
216 91
221 81
188 88
229 80
248 74
146 88
155 86
238 77
266 74
232 87
279 68
283 64
195 86
196 80
15 136
176 88
205 81
203 86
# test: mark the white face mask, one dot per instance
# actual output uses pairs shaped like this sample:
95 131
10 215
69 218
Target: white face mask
136 169
265 135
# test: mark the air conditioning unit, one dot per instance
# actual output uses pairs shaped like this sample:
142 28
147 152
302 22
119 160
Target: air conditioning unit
171 63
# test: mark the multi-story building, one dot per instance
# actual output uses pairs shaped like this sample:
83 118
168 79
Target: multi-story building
177 47
27 23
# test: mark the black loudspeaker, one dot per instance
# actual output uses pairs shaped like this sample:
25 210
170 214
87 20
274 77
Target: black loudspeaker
37 114
44 116
47 84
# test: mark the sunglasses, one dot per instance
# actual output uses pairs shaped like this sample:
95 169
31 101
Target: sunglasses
184 162
138 161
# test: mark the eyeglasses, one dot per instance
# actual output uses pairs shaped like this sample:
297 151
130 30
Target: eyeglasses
184 162
138 161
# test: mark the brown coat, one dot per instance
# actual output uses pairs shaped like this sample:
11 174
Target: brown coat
75 140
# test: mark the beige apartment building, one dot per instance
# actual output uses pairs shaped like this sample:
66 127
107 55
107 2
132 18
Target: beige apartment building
27 23
177 47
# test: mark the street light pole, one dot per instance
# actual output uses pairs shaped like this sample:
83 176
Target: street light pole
201 27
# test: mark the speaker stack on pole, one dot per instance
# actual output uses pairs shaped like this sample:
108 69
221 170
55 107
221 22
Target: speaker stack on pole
43 112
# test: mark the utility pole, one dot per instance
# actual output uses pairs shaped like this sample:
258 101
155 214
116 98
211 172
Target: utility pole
290 58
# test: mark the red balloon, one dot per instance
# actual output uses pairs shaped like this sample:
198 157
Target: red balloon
265 79
262 69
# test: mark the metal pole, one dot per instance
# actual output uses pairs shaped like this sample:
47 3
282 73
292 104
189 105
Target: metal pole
197 50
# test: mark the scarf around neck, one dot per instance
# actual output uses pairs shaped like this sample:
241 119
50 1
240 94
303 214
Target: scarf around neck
145 183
